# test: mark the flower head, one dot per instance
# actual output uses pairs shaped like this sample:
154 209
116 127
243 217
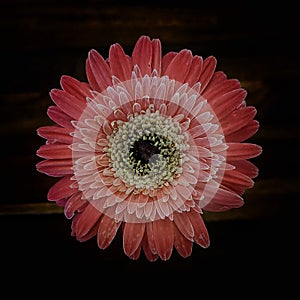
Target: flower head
145 146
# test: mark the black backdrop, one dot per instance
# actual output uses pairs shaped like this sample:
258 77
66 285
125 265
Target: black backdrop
42 40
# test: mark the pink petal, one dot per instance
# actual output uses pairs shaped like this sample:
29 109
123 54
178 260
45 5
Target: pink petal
219 85
108 228
87 220
55 151
156 56
182 245
179 67
224 200
233 177
150 237
61 189
55 167
167 58
136 254
226 103
195 70
184 225
142 55
209 66
90 234
68 103
55 134
74 87
201 236
238 119
132 236
246 167
98 71
242 134
148 253
120 63
239 151
163 237
74 204
59 117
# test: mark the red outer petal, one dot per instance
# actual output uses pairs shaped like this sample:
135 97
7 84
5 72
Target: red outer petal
55 134
97 71
108 228
55 167
59 117
195 70
68 103
87 220
201 236
179 67
242 134
228 102
150 237
239 151
136 253
80 90
209 66
233 177
163 237
74 204
223 201
55 151
120 63
132 236
142 55
238 119
182 245
184 225
61 189
246 167
219 86
156 56
90 234
167 58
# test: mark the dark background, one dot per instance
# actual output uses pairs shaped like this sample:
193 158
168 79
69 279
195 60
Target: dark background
42 40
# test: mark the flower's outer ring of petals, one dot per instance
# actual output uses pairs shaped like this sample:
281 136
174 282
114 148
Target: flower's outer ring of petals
54 151
224 200
209 67
240 151
178 69
107 230
68 103
59 117
86 221
61 189
201 236
98 72
80 90
55 167
55 134
166 59
163 235
120 63
74 204
142 55
183 245
133 234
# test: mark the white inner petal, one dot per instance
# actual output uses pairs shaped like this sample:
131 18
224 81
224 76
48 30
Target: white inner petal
187 149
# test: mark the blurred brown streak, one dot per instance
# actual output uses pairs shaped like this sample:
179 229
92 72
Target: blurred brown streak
43 40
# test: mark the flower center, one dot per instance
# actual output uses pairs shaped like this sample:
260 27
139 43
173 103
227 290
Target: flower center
150 151
147 151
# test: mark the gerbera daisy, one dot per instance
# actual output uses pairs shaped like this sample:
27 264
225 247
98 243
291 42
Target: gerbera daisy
145 146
